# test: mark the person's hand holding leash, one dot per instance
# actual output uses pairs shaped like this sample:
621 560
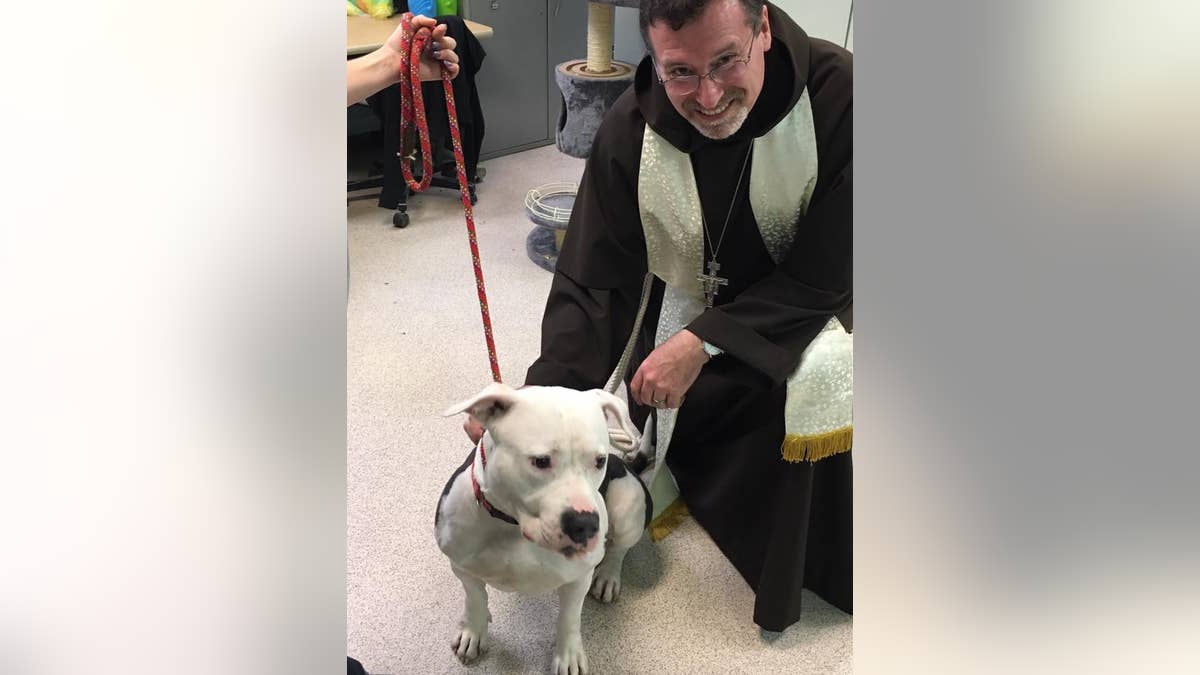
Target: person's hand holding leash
441 54
381 68
669 371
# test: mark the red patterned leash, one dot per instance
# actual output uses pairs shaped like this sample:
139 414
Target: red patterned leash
412 109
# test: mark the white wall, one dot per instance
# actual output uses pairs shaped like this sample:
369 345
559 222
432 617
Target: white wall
627 41
826 19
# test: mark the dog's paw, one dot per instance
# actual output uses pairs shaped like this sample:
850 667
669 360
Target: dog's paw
569 657
606 586
468 644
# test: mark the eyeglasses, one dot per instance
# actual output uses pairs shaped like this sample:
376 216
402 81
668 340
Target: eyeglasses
724 73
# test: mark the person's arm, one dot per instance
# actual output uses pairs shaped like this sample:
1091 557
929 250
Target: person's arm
769 324
381 68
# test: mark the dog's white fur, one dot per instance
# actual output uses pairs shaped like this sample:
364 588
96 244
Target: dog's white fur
575 429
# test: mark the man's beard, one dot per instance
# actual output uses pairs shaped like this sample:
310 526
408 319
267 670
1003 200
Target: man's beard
730 121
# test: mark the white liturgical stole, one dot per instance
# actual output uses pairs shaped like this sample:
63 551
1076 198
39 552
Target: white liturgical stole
818 414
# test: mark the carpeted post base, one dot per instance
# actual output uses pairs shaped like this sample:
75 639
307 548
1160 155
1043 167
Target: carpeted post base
586 96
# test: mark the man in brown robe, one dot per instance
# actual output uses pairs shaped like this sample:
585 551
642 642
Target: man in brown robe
735 113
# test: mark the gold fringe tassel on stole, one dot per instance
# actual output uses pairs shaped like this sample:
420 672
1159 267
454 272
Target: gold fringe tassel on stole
668 520
816 448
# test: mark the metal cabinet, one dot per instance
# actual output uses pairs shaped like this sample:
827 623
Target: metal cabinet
512 83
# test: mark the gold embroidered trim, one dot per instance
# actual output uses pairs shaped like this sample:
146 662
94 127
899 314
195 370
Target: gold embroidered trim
815 448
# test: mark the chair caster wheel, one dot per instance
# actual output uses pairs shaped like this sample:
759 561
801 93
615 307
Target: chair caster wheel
400 219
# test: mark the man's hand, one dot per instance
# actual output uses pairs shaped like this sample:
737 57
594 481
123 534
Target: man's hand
665 376
438 55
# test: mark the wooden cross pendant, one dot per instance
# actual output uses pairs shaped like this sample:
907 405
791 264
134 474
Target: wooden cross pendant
710 283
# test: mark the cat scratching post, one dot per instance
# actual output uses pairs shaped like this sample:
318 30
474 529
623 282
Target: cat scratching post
589 88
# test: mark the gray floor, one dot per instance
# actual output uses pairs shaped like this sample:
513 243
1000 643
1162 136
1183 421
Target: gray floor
415 345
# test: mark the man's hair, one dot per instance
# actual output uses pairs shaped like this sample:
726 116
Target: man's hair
677 13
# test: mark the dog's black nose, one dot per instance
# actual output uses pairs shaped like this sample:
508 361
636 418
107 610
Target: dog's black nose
580 525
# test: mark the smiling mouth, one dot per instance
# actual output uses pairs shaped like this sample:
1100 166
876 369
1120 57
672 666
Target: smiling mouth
716 112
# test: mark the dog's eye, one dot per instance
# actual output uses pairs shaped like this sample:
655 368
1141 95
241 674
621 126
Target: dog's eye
541 461
600 461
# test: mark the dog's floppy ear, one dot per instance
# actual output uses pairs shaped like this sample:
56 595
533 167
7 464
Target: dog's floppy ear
622 434
487 405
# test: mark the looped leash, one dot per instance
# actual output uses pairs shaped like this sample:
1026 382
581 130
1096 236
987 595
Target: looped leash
412 111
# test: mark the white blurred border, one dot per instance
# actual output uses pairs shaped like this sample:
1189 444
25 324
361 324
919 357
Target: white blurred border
1025 251
172 259
173 266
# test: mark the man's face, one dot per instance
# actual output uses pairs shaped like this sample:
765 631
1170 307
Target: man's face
719 37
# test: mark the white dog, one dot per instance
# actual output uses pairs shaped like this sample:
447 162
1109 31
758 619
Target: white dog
540 505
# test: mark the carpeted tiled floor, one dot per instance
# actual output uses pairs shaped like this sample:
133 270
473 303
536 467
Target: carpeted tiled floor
414 346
